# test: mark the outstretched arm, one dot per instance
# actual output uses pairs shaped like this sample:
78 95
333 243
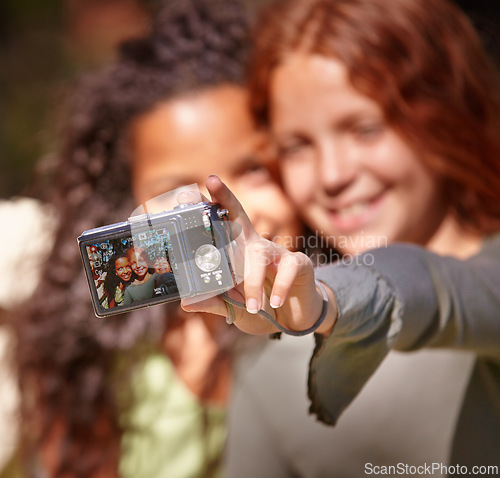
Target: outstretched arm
407 298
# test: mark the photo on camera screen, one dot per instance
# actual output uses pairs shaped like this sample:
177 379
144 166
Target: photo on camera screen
132 270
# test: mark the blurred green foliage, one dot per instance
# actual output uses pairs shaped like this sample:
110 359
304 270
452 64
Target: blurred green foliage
33 62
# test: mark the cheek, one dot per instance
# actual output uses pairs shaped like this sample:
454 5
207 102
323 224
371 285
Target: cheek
424 198
416 204
393 162
255 200
298 180
269 208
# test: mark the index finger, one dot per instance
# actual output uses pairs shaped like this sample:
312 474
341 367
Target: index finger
222 195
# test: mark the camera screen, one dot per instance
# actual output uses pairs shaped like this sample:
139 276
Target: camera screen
132 271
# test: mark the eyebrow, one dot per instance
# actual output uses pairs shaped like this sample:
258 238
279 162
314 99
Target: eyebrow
346 119
355 116
245 161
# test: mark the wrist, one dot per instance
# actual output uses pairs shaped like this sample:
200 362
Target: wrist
326 328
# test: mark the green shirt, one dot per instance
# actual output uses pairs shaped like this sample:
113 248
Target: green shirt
169 434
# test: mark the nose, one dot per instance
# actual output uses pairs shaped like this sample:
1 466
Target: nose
337 169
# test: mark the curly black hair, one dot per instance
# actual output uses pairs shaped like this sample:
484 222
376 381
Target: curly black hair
112 281
66 357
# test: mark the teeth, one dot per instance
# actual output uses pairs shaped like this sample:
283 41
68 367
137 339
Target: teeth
353 210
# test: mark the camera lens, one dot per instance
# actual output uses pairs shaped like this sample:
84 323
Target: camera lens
207 257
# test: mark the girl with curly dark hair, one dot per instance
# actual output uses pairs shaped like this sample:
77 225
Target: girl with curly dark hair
101 398
119 275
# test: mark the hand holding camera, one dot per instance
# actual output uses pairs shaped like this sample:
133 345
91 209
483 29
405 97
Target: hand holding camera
280 282
188 253
155 258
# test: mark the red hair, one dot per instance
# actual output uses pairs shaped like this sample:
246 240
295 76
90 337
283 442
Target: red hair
423 63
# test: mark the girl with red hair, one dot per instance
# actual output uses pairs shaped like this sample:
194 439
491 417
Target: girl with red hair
385 116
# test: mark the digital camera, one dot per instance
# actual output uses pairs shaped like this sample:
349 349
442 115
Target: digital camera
154 258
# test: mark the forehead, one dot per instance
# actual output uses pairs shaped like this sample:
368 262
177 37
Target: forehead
121 260
193 136
324 71
135 254
317 84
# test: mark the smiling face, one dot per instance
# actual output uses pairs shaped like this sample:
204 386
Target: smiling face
123 269
183 141
138 262
162 266
349 174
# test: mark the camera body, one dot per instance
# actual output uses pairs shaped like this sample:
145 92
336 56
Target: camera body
155 258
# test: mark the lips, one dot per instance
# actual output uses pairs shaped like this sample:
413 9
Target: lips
356 215
354 209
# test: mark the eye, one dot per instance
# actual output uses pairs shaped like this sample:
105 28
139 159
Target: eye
367 131
254 167
253 171
293 148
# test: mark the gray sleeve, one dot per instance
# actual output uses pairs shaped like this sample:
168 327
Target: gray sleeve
402 297
127 298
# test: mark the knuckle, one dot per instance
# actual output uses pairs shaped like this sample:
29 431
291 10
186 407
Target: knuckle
254 264
280 286
303 259
289 259
258 248
252 284
297 259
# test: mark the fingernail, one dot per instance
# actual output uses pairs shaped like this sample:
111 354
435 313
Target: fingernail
252 306
275 301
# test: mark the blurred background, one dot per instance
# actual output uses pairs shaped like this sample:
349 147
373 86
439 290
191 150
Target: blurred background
43 45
